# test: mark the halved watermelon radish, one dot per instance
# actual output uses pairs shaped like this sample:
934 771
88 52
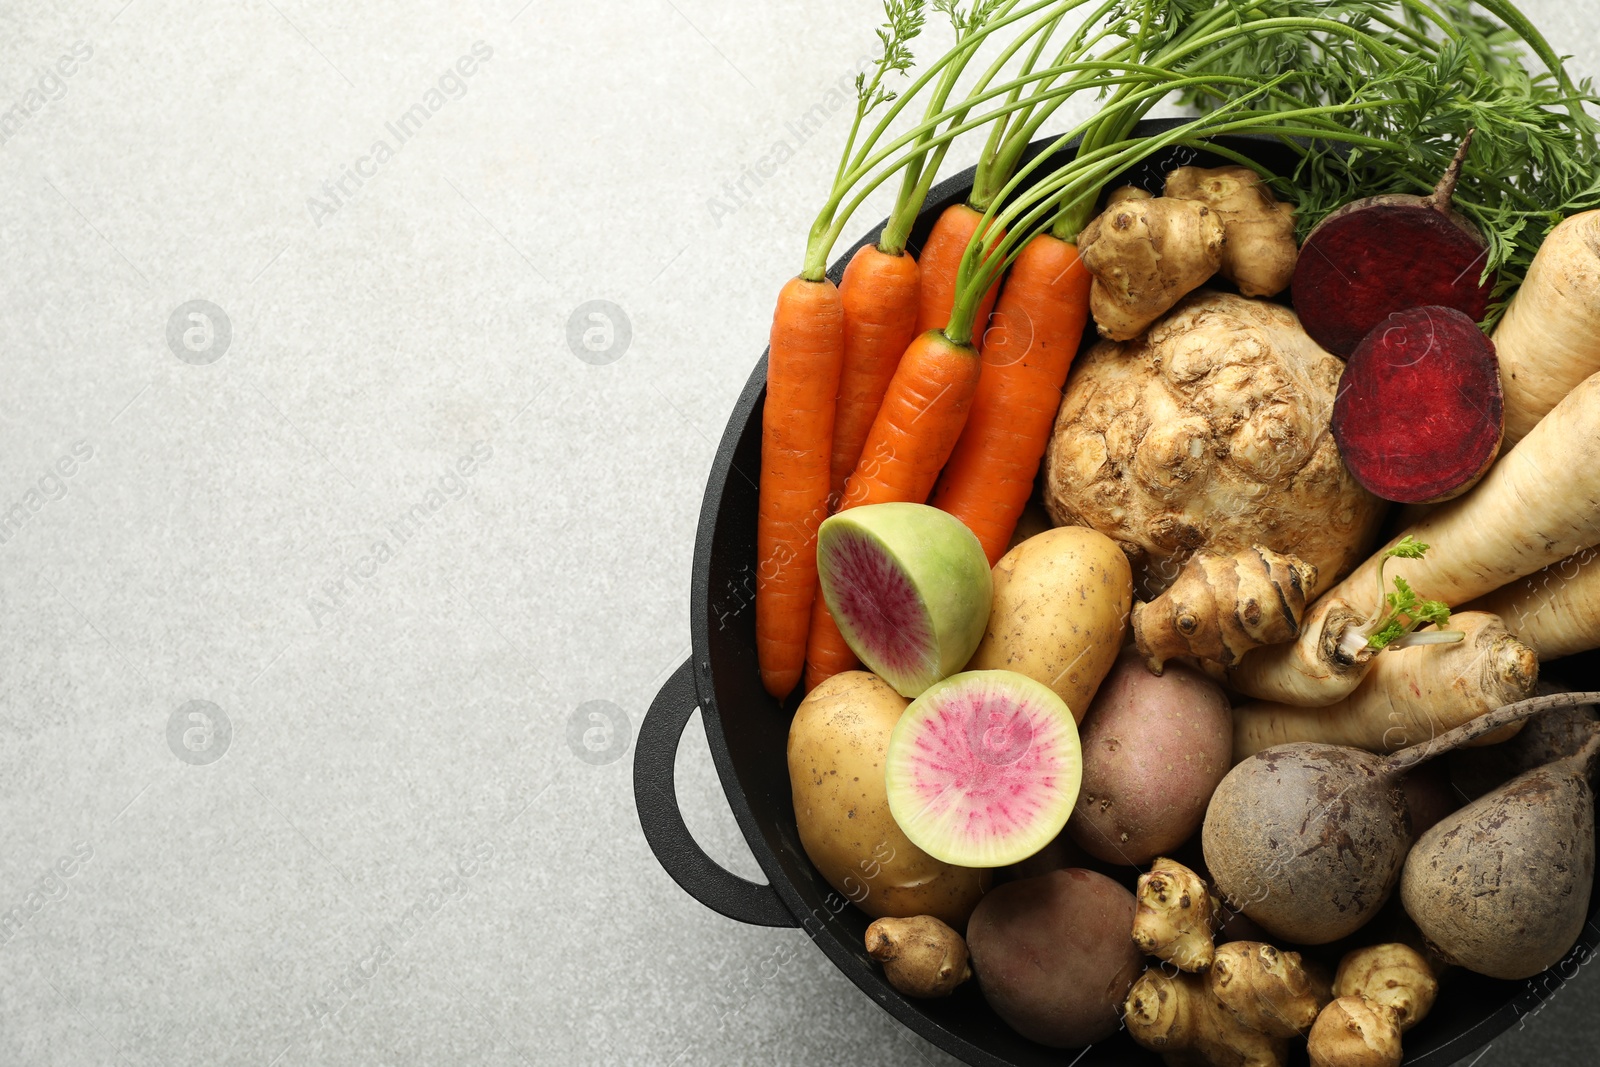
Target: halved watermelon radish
909 587
983 769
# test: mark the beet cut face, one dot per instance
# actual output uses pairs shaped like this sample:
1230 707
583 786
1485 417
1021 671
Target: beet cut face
1419 413
1375 257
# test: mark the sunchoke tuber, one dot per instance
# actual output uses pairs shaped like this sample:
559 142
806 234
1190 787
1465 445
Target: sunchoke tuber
1223 605
1177 916
1267 989
921 956
1259 250
1177 1015
1146 255
1383 991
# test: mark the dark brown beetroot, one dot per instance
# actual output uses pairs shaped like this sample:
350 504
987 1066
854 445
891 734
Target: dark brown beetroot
1308 840
1502 886
1389 253
1419 413
1054 955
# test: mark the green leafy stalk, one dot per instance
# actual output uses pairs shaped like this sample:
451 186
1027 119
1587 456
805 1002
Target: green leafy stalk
1536 156
1402 611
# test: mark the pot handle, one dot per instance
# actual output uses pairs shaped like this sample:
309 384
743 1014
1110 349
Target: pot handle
655 794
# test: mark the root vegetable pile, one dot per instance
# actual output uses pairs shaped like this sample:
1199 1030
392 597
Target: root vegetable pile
1121 603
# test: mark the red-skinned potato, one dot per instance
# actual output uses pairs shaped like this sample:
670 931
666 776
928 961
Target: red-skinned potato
1154 749
1054 955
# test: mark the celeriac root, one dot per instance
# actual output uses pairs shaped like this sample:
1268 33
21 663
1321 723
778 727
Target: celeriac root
1176 916
1178 1016
1222 605
1549 339
1538 505
921 956
1146 255
1268 990
1407 697
1259 249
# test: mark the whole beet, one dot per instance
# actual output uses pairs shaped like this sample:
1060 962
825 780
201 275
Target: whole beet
1502 886
1307 840
1054 955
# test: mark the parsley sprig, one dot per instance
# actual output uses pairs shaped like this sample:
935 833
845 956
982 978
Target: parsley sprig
1406 611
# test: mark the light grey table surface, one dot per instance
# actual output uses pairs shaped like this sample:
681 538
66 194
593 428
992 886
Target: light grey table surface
394 509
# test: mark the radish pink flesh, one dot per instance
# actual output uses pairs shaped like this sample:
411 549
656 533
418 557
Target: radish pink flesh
1419 412
983 769
876 604
1358 268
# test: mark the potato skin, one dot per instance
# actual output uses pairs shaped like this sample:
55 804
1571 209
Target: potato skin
1060 611
1154 749
1054 955
837 743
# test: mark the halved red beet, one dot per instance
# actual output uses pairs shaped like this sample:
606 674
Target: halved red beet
1374 257
1419 414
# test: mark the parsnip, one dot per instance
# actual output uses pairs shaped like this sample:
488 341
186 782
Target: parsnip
1407 697
1556 610
1539 504
1547 341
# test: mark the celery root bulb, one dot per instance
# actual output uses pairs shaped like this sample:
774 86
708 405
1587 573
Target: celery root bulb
1209 431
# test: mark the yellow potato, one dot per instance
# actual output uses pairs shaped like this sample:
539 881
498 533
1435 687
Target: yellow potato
1060 612
836 748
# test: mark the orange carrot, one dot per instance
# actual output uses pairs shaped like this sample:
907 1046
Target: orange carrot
1032 337
940 259
803 366
879 293
922 415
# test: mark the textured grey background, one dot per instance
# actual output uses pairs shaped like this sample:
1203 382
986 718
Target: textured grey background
396 534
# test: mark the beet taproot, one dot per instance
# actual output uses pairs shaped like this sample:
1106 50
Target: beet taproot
1420 411
1309 840
1502 886
1374 257
1549 737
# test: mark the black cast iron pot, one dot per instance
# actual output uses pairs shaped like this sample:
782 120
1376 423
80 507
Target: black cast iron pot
748 731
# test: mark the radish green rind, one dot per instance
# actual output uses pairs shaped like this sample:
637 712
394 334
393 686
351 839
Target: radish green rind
909 587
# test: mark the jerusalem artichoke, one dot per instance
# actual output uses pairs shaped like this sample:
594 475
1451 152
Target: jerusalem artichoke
1222 605
921 956
1177 1014
1146 255
1268 990
1259 249
1177 916
1383 991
